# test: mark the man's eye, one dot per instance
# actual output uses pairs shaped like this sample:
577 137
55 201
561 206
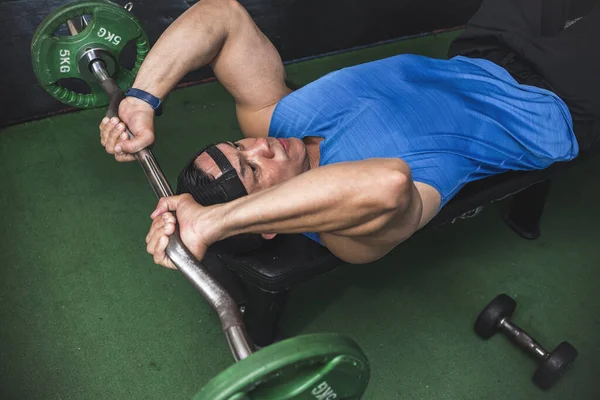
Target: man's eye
252 167
237 146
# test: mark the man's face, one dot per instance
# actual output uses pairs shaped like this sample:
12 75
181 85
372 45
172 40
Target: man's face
260 163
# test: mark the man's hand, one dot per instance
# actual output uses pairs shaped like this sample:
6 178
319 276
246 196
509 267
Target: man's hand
189 214
139 118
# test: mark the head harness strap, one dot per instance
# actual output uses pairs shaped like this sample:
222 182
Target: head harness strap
229 180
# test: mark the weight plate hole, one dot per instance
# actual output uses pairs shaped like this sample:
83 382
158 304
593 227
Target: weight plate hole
128 56
79 23
77 85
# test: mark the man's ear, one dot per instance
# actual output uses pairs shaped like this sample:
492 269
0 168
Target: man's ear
268 236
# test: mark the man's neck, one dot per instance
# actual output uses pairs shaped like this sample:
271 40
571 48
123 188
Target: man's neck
313 150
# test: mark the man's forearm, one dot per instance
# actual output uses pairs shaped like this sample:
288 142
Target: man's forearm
191 42
351 199
222 34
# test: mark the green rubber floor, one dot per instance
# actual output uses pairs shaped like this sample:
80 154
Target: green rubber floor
85 314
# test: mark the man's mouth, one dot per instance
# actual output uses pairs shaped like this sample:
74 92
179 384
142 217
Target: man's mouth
284 144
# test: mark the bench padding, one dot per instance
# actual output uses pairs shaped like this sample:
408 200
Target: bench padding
286 260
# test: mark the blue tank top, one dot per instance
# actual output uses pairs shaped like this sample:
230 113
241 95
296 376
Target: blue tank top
452 121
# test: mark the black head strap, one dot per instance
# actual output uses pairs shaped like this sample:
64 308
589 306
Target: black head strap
229 180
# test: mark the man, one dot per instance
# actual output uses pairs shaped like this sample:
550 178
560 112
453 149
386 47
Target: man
362 158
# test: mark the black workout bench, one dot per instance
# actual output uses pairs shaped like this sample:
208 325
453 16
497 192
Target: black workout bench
260 279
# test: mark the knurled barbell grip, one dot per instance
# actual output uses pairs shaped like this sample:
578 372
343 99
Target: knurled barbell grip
522 339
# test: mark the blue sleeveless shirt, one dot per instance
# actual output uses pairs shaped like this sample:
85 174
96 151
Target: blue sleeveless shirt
452 121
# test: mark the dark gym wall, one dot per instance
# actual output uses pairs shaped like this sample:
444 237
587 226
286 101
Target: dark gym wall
298 28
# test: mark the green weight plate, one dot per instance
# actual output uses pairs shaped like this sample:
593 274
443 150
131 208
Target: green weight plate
315 367
110 28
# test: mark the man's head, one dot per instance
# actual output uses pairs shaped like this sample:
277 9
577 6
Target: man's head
226 171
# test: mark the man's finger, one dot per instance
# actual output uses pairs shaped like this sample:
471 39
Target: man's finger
160 257
161 228
169 219
139 142
124 157
105 128
151 241
113 136
119 155
166 204
154 245
169 264
104 122
156 226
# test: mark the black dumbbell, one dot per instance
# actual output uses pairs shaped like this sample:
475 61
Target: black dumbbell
496 318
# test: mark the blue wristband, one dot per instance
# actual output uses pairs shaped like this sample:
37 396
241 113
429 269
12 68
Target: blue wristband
154 102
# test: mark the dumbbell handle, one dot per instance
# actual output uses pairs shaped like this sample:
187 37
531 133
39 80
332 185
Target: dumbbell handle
522 339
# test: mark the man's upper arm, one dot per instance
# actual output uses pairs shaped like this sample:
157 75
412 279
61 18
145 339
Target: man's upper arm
400 225
251 70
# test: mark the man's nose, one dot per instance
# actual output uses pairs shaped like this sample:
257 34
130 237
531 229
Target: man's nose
261 148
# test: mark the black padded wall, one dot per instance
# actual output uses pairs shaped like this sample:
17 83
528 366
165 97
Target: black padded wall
298 28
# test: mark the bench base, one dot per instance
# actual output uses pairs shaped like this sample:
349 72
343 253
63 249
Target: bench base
526 210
